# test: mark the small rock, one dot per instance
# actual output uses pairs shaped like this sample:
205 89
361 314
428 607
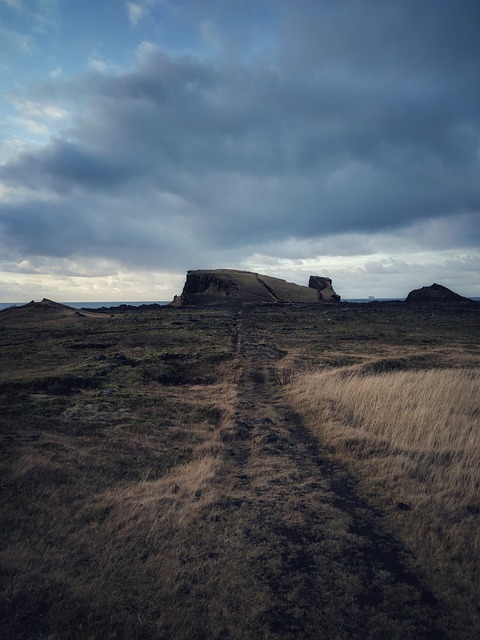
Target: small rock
106 393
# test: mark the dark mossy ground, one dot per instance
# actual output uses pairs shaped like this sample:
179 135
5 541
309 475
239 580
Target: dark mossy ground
155 483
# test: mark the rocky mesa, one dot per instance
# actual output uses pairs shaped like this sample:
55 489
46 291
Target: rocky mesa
224 286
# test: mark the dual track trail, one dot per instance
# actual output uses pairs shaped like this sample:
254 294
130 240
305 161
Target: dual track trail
313 554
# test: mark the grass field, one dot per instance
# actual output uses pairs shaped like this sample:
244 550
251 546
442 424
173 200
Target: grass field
275 471
413 439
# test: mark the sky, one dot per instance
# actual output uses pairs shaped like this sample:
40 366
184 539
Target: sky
142 139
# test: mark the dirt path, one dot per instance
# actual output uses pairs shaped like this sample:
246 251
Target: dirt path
314 549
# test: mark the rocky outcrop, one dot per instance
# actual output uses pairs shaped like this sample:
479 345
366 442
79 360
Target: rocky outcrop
217 286
435 293
324 287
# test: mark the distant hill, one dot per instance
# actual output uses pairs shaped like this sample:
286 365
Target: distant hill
45 306
435 293
223 286
34 312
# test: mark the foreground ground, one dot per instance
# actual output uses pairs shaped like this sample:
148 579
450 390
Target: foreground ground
162 477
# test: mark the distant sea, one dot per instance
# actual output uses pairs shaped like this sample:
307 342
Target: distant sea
136 303
89 305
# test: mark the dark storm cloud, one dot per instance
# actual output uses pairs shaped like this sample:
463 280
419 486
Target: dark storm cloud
358 117
63 166
115 232
39 229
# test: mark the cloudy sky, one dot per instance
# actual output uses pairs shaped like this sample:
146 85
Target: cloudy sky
291 137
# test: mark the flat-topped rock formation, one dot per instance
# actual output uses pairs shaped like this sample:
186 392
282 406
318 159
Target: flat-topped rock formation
217 286
435 293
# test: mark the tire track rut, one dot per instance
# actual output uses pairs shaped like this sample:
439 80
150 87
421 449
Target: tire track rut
313 547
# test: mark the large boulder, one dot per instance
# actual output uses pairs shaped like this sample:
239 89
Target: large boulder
217 286
435 293
324 287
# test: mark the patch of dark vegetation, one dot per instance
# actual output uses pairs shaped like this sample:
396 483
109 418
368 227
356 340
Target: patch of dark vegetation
257 377
79 346
184 375
30 616
339 361
186 369
212 415
127 308
384 365
54 385
66 385
175 356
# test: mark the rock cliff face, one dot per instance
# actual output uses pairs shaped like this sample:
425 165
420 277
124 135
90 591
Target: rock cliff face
217 286
435 293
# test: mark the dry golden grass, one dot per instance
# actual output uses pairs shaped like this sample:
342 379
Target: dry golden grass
107 471
413 437
107 531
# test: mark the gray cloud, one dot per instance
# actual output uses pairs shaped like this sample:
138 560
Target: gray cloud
357 118
63 166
